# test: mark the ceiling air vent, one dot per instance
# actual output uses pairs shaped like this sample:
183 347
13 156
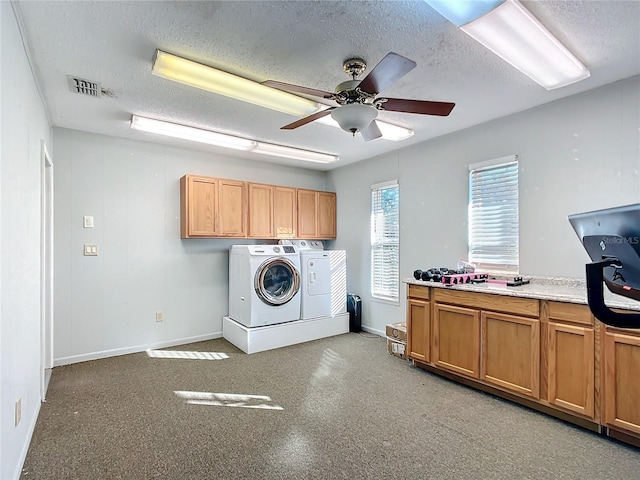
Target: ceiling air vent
84 87
87 87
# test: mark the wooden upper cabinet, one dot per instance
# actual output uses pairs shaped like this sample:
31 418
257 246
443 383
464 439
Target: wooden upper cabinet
326 215
198 206
316 214
212 207
261 210
217 207
285 209
272 211
307 213
232 208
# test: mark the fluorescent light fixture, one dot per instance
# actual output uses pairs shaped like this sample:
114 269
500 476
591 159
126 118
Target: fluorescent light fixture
227 141
208 78
295 153
515 35
460 12
389 131
394 132
191 133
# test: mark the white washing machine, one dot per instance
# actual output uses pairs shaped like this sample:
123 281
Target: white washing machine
264 284
324 279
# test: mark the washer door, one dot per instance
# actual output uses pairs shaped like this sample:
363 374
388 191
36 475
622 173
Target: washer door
277 281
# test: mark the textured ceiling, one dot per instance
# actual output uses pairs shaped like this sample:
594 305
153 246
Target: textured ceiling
304 43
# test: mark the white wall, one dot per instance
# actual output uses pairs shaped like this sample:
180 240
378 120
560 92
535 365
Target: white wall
106 305
24 125
576 154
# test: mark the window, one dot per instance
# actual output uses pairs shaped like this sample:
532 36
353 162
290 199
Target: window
493 215
385 247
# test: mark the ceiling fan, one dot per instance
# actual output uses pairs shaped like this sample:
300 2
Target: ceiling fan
358 103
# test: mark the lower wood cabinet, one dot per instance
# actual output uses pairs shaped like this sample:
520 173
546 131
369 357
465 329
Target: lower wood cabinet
571 378
550 355
418 323
456 339
510 349
622 381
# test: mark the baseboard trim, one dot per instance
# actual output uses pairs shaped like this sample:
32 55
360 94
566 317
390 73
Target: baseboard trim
85 357
380 333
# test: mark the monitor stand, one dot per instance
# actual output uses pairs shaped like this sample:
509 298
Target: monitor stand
595 295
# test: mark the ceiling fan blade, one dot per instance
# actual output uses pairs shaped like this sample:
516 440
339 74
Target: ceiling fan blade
386 72
423 107
371 132
288 87
308 119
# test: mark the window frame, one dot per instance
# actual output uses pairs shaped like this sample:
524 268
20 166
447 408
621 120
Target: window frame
379 239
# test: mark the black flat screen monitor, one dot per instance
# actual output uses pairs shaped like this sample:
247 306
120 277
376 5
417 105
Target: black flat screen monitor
613 233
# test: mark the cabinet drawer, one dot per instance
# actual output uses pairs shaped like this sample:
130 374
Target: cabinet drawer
571 312
418 291
487 301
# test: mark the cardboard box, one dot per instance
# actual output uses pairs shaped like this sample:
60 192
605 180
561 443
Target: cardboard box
397 331
399 349
397 339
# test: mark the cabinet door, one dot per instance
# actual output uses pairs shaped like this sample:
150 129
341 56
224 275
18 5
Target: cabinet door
511 353
261 211
456 339
232 208
326 215
418 329
571 367
622 381
284 212
307 213
198 204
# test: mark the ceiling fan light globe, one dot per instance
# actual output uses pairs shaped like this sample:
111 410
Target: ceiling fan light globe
354 117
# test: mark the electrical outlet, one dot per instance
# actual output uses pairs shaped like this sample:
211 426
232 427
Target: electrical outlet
90 250
18 414
159 317
87 221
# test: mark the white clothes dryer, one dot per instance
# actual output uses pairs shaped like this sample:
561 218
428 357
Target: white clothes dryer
324 279
264 284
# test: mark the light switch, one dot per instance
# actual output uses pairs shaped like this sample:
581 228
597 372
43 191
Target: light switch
88 221
90 250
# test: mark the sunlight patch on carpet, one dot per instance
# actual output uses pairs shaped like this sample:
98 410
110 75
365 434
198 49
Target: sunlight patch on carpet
227 400
186 355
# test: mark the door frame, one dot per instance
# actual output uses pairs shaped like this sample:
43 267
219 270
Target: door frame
46 269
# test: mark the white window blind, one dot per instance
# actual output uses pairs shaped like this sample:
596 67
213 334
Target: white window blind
493 215
385 245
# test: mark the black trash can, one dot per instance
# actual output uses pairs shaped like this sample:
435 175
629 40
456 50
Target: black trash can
354 307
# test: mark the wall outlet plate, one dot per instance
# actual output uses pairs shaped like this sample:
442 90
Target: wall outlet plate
87 221
90 250
159 316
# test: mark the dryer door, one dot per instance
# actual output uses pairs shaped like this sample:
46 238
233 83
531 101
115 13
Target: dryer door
277 281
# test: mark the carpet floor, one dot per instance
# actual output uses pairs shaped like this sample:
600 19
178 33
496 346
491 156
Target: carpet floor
335 408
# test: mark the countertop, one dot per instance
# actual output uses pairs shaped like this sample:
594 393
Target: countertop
542 288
